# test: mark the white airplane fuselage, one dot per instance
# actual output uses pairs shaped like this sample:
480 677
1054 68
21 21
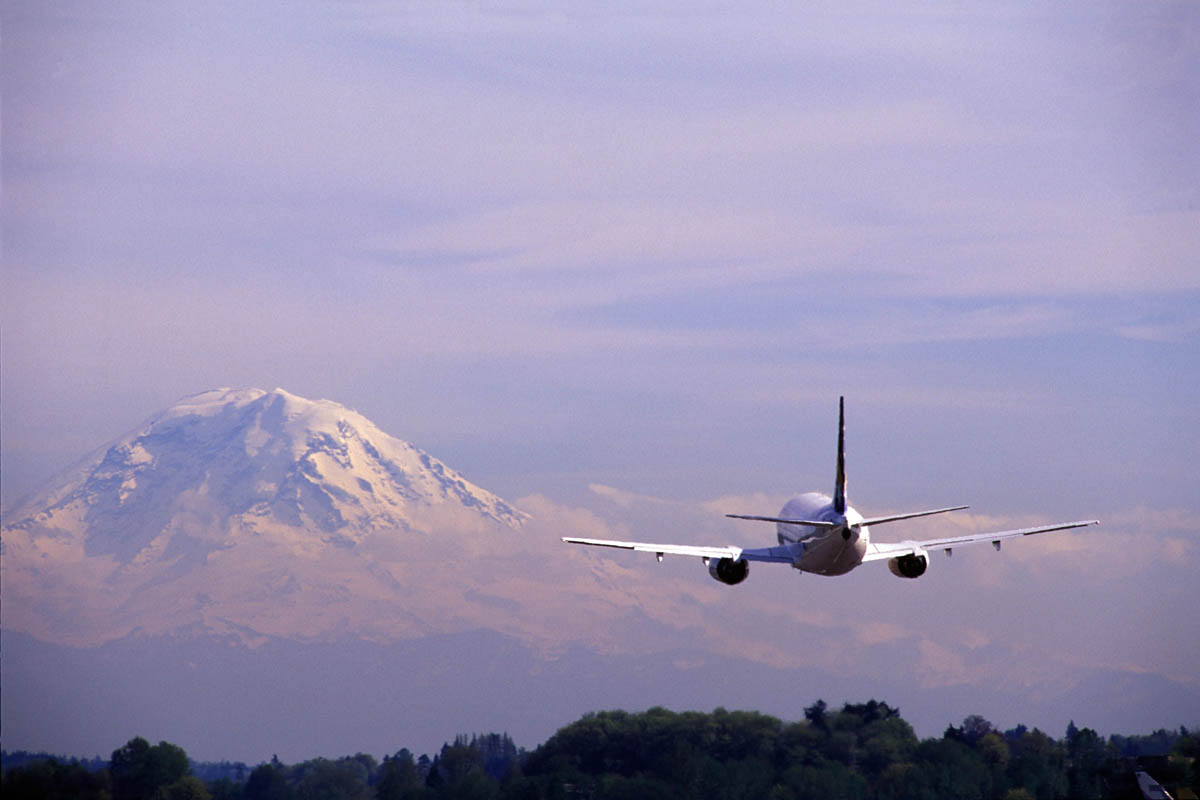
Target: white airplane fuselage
825 551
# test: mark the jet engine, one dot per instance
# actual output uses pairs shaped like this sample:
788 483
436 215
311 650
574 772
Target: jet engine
910 566
729 571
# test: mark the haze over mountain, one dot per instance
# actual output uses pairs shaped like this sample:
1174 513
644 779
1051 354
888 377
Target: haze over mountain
252 572
235 510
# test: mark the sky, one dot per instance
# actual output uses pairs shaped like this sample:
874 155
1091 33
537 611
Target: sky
628 257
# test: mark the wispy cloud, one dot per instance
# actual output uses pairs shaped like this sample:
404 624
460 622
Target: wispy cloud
1173 332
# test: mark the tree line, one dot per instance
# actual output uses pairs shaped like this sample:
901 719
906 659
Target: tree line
864 751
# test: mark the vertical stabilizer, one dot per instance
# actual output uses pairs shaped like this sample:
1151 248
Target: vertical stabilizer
839 491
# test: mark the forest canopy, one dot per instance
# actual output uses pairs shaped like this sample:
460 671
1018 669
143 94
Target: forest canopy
861 751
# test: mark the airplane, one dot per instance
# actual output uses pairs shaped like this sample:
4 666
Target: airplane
825 536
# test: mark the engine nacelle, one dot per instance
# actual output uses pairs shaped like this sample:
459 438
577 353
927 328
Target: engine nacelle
726 570
910 566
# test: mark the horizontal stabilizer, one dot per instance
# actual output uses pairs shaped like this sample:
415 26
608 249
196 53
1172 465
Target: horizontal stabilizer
912 515
812 523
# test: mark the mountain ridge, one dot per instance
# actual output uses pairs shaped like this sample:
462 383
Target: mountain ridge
287 444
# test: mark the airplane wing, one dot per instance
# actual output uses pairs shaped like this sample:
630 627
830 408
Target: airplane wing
779 555
881 550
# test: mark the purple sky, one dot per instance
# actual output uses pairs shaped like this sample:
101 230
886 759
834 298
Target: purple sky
645 247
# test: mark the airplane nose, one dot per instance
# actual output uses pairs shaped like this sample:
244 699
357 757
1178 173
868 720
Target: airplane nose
846 533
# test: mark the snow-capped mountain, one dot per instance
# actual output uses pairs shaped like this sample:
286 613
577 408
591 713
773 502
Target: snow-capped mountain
223 493
260 457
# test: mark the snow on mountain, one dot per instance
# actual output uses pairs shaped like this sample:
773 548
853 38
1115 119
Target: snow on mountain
230 500
261 456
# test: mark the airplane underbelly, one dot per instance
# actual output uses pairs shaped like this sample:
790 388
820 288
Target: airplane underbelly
832 555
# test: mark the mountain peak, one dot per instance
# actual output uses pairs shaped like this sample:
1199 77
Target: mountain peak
258 459
245 512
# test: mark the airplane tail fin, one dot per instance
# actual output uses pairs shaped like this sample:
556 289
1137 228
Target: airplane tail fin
839 495
839 491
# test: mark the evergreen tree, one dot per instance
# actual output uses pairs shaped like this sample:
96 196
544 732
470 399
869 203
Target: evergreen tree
139 770
266 782
49 779
1037 764
1086 757
399 778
